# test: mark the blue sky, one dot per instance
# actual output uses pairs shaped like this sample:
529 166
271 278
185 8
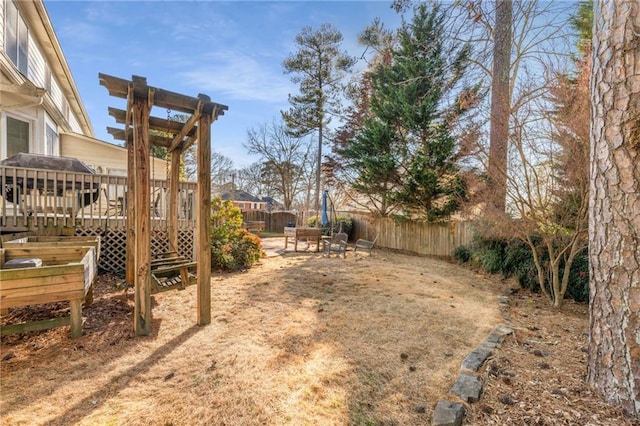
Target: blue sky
231 51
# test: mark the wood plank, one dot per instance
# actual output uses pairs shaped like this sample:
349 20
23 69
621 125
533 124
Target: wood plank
188 127
41 299
173 200
131 213
9 329
142 252
118 87
41 244
9 275
75 306
39 285
203 222
120 135
155 123
48 254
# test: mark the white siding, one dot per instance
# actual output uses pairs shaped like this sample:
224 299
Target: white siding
56 93
103 155
2 25
36 63
73 122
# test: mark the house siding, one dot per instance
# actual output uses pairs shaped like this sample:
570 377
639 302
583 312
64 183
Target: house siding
35 63
2 26
103 157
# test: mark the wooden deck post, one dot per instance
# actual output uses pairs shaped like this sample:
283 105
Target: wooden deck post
76 318
142 261
173 200
131 213
203 220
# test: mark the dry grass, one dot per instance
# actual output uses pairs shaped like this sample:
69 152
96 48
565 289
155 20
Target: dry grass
300 339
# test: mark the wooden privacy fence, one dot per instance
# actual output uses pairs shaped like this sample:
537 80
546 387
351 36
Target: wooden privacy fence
434 239
274 221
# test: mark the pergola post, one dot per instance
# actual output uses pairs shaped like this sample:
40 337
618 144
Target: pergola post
142 218
131 212
203 219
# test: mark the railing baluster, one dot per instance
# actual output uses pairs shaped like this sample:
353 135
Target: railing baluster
40 195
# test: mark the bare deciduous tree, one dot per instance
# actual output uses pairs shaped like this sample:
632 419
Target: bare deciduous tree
283 158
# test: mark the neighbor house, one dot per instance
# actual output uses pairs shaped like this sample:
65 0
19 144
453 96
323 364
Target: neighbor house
244 201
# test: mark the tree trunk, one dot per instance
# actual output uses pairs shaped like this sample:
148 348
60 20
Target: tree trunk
614 221
500 105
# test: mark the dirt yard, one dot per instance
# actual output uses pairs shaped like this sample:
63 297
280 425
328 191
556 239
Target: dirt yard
303 339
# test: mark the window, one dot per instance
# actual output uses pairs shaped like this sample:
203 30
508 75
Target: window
16 37
17 136
52 141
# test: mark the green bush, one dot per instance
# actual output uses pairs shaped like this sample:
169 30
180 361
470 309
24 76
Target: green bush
489 255
514 259
518 262
462 253
578 287
232 247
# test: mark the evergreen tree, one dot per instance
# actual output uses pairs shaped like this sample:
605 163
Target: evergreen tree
407 147
319 67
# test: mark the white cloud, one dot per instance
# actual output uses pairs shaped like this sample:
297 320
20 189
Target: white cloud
240 76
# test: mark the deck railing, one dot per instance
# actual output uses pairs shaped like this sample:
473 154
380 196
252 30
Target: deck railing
35 197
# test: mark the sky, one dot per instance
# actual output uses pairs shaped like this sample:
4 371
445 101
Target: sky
231 51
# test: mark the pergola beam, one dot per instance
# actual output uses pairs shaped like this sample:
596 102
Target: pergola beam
118 87
188 127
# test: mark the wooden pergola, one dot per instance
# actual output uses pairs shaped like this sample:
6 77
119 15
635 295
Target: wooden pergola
140 131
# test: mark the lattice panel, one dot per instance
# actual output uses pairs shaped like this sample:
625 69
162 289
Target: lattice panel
113 249
185 243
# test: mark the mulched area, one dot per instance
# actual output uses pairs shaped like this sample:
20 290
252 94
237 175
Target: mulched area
538 375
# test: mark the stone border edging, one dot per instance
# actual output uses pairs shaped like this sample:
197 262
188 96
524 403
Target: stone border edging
468 385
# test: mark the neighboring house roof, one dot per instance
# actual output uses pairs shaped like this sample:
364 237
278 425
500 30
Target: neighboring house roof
239 195
275 204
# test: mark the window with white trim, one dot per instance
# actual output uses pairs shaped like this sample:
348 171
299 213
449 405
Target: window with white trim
18 136
51 141
16 37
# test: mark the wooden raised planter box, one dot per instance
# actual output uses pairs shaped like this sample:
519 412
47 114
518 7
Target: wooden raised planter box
302 233
66 274
52 241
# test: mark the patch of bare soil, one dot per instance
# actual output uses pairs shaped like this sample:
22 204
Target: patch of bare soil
303 339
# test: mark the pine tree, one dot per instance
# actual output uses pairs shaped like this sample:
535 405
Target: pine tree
319 67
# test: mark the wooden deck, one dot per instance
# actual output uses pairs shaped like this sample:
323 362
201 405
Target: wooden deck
35 198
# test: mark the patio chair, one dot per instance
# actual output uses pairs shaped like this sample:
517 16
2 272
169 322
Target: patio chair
336 243
365 245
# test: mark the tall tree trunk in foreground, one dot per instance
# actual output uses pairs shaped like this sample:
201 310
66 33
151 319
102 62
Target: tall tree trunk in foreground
614 241
500 104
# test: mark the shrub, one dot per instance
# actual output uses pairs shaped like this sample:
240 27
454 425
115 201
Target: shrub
462 253
578 287
232 247
489 255
514 259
